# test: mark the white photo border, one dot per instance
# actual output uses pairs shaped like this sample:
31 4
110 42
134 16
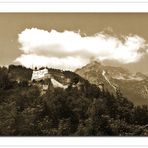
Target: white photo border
74 7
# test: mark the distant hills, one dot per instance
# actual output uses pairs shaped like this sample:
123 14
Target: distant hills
132 86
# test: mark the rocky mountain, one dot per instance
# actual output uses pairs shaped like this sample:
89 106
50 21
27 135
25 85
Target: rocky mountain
132 86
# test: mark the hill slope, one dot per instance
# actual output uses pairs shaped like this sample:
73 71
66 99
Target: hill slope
78 110
132 86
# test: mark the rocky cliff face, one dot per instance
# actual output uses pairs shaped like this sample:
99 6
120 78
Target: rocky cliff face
132 86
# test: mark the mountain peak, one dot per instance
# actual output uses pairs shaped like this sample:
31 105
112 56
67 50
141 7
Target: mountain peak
93 64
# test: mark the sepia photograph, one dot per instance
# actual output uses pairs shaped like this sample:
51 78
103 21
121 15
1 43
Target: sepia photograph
73 74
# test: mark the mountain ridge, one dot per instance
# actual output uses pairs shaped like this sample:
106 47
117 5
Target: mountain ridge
132 86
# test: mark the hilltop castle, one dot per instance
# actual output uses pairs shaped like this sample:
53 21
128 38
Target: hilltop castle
43 74
40 74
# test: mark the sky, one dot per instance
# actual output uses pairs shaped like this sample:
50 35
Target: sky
71 40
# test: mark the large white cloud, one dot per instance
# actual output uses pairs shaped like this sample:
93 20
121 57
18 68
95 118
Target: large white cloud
70 50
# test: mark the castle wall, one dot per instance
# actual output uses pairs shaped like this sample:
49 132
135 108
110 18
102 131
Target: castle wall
39 74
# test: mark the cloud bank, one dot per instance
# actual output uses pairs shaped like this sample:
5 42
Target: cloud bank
70 50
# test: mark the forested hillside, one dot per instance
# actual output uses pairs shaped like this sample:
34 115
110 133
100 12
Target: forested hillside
74 111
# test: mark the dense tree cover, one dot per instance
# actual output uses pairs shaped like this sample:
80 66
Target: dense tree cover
18 72
25 111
